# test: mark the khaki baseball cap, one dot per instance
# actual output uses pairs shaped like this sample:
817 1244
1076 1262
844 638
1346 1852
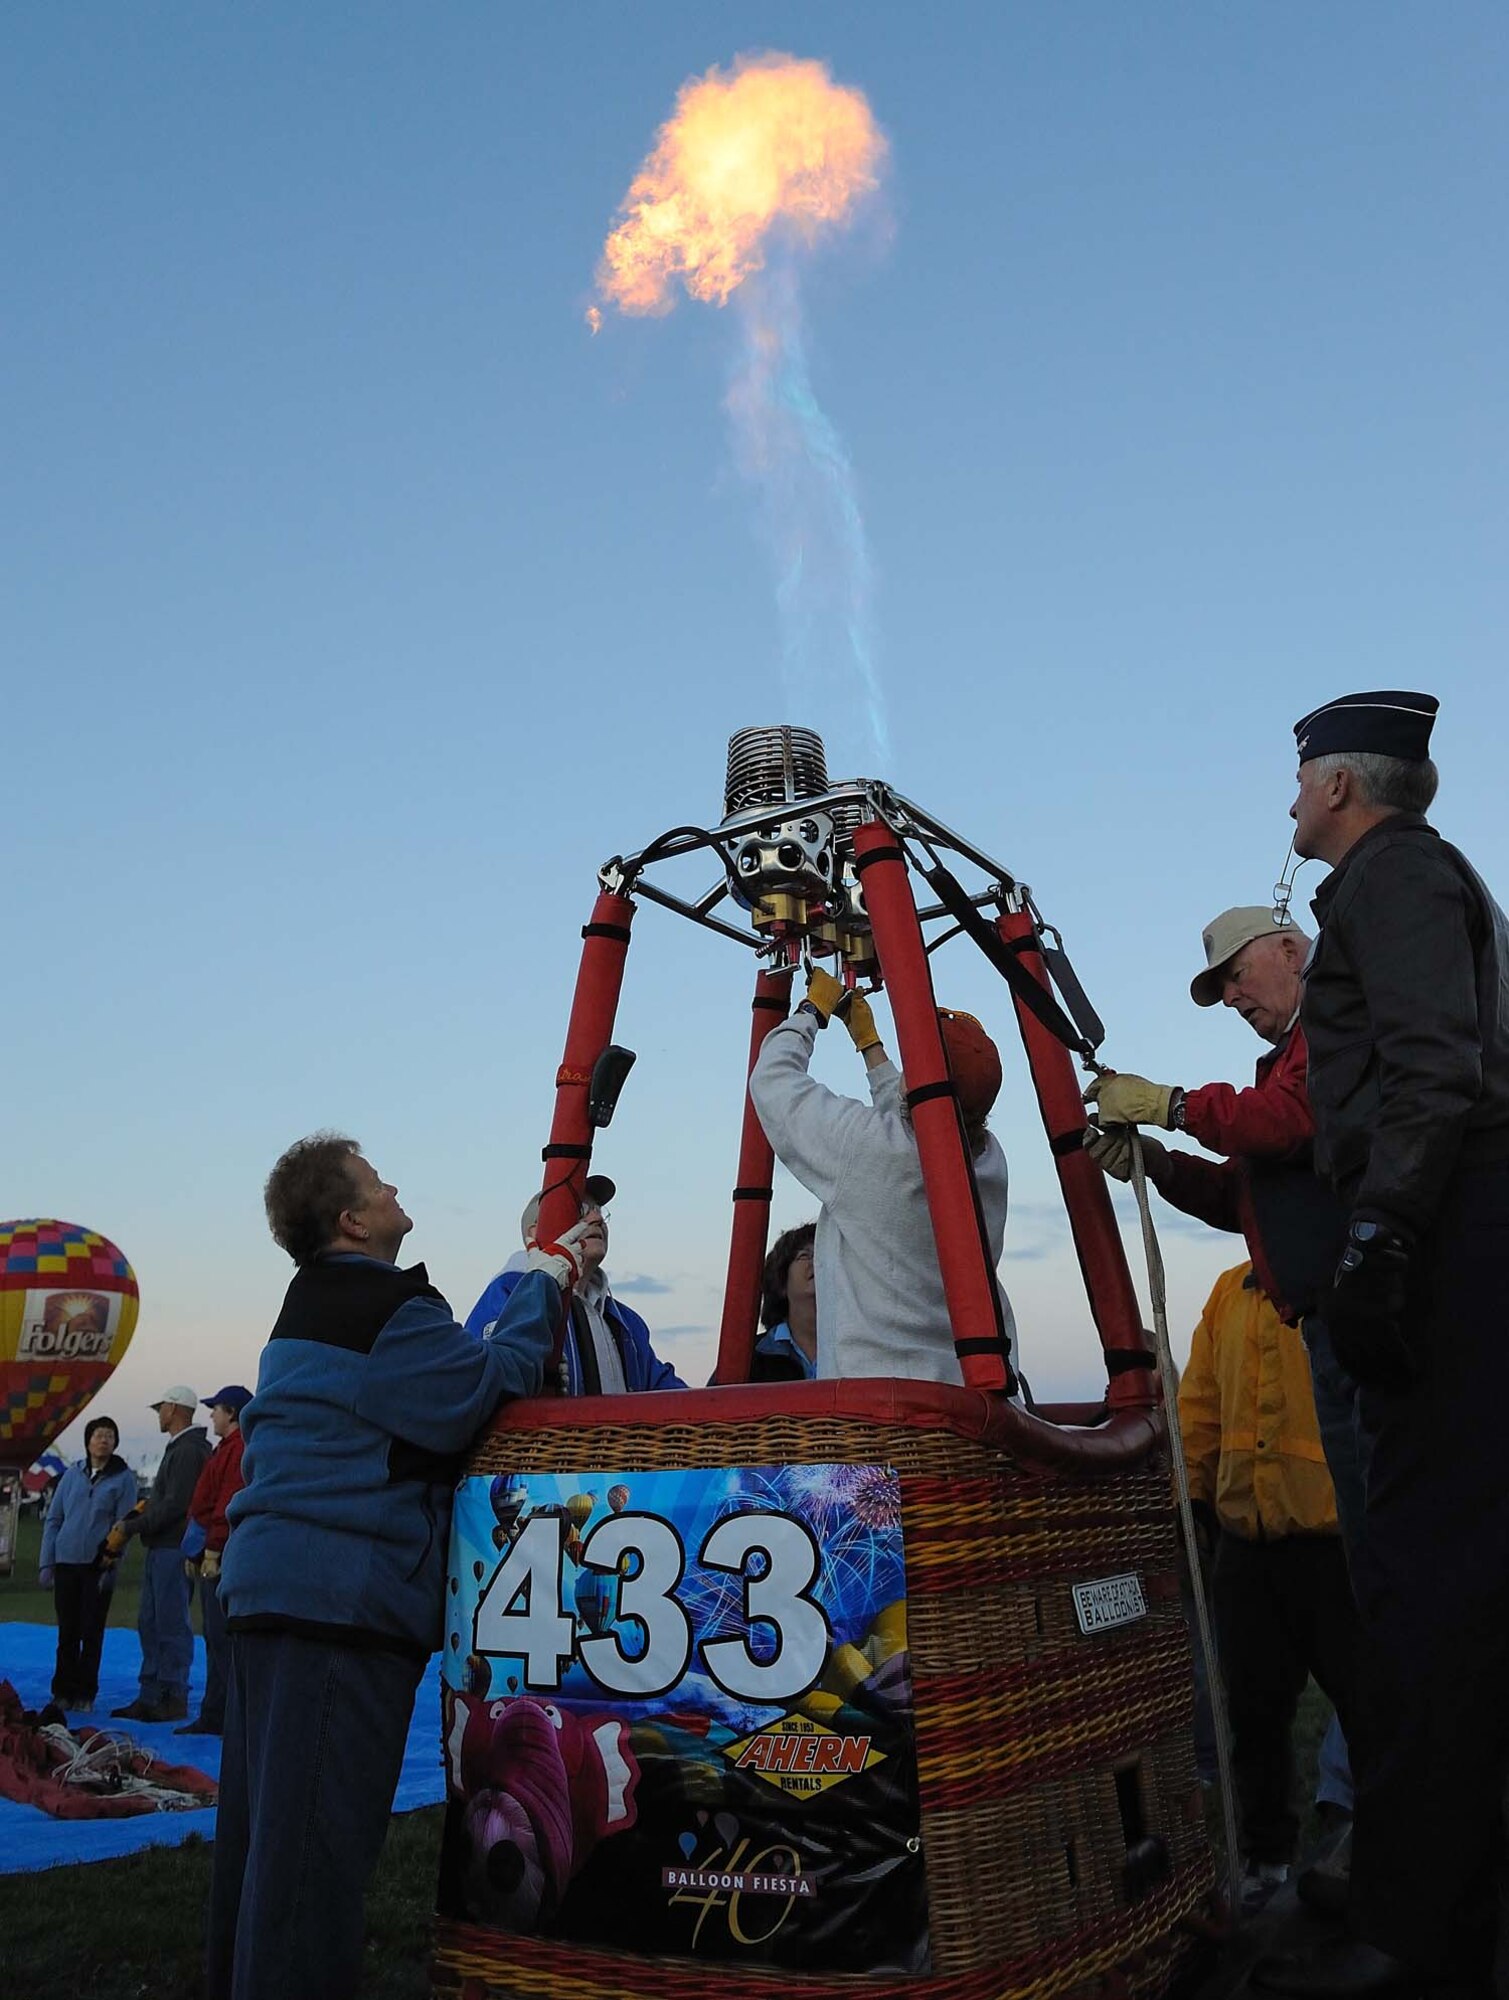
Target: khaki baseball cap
1223 937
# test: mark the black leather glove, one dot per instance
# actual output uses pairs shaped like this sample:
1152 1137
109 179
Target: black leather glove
1368 1307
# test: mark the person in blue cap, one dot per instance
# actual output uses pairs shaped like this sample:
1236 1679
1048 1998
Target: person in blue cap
1406 1012
204 1542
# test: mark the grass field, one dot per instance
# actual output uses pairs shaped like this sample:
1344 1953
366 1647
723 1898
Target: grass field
133 1929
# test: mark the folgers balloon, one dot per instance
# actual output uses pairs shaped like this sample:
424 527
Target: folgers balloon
68 1305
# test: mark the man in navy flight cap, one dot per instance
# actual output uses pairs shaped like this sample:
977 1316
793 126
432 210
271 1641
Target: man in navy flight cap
1406 1012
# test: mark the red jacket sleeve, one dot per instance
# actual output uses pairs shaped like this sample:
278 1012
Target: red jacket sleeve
1210 1190
219 1481
1268 1121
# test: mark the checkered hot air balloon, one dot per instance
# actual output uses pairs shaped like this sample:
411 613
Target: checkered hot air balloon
68 1304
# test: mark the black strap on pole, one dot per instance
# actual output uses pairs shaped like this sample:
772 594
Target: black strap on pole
1031 992
1073 995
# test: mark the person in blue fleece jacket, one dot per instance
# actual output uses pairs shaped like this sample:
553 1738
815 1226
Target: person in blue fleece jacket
333 1583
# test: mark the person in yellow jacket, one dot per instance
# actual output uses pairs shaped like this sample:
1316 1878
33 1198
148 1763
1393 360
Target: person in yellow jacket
1283 1602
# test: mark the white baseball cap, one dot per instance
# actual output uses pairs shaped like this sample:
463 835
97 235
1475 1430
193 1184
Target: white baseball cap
597 1188
180 1392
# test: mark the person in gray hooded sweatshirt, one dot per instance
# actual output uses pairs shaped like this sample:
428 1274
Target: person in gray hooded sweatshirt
880 1303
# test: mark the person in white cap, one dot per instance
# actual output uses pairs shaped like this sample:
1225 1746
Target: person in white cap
606 1350
162 1622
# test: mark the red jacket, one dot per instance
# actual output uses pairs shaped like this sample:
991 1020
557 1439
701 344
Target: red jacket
1267 1188
218 1482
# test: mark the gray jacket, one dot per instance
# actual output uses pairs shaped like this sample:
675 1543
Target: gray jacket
162 1519
1406 1011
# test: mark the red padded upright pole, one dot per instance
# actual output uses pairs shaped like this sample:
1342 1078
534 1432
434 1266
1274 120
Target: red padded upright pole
1097 1241
599 979
751 1226
969 1285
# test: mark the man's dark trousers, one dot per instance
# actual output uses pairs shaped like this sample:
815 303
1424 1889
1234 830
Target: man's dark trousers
1433 1589
314 1741
1284 1611
216 1653
162 1625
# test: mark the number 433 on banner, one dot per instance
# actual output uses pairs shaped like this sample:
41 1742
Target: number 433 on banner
520 1613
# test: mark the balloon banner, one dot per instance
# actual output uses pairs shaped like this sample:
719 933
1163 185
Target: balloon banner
68 1304
678 1715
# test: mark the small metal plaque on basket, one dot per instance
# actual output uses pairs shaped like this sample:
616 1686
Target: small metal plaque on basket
1112 1600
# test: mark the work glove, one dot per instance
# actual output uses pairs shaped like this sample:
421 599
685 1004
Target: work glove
115 1542
1368 1305
1110 1147
209 1568
562 1260
823 993
854 1011
1131 1100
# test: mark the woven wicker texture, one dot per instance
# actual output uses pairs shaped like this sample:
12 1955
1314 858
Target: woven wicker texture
1062 1817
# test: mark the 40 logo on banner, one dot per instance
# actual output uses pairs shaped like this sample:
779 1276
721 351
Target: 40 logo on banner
643 1560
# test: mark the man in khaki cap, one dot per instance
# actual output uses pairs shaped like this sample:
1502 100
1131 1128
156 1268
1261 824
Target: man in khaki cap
1266 1186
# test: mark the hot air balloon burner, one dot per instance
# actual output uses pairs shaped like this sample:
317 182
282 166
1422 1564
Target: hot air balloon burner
771 765
782 870
852 926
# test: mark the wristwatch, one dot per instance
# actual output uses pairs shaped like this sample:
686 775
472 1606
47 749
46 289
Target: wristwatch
1176 1110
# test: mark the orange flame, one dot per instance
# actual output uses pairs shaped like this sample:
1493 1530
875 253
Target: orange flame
774 139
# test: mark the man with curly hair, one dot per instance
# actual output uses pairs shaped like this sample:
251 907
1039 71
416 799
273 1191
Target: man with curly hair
333 1584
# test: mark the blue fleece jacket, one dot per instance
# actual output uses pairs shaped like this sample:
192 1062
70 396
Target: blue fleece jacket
84 1510
368 1395
643 1368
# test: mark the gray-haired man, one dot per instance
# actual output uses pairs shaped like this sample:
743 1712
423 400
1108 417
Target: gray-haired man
1406 1011
1265 1187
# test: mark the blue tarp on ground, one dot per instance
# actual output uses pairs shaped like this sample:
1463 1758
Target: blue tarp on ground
30 1838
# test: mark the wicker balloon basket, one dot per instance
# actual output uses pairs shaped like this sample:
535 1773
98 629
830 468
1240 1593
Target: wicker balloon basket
827 1686
1061 1828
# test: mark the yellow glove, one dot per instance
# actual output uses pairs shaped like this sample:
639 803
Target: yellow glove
209 1567
1132 1100
1111 1150
854 1011
115 1541
823 992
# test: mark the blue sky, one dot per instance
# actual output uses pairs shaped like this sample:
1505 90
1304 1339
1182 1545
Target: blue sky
357 603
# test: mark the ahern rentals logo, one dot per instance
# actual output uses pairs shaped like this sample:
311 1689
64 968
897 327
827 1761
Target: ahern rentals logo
798 1756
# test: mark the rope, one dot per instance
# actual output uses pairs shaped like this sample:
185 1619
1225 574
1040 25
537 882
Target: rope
110 1762
1158 1294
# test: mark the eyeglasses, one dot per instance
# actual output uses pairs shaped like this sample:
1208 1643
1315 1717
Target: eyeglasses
591 1208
